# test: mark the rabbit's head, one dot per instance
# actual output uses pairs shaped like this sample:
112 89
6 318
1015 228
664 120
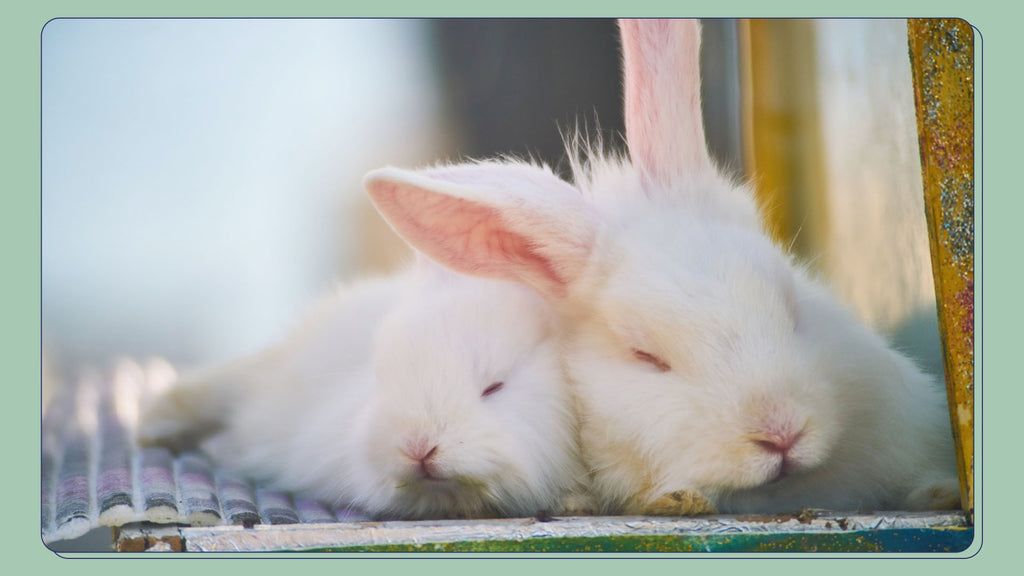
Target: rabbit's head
471 414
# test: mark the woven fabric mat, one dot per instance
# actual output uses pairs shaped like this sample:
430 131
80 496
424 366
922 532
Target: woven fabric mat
93 474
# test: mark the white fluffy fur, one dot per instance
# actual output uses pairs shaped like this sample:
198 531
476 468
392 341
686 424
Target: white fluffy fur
380 368
698 351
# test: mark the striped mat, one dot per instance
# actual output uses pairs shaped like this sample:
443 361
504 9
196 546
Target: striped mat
93 474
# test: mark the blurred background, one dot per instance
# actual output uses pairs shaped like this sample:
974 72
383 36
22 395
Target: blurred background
201 179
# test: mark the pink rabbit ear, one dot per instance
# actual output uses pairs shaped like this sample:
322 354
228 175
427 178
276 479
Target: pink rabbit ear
505 221
661 69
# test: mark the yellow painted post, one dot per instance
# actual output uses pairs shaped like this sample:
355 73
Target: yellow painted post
781 132
942 61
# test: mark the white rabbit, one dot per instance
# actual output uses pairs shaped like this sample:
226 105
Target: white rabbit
710 371
423 395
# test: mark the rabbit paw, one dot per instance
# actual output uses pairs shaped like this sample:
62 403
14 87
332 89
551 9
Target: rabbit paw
578 504
679 503
937 495
169 434
167 426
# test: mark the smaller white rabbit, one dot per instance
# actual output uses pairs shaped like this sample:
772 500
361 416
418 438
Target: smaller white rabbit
422 395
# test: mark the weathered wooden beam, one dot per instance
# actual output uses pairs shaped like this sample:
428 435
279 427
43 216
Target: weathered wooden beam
942 61
807 532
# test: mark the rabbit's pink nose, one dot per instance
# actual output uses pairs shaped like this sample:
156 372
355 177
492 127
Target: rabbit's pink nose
777 442
428 456
424 455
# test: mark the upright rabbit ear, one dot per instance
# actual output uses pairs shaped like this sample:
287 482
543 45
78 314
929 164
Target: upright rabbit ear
664 124
505 221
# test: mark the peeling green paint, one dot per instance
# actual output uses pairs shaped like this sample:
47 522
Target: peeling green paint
927 540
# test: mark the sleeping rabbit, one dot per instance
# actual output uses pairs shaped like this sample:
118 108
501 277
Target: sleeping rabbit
710 370
421 395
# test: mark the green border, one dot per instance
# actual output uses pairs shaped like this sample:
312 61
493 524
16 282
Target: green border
19 225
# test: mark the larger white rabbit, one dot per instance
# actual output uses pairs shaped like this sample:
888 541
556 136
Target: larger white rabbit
710 370
422 395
